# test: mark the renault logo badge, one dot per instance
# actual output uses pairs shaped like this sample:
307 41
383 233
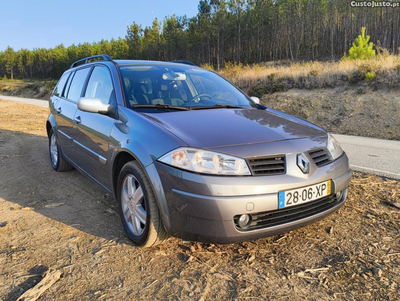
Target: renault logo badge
303 164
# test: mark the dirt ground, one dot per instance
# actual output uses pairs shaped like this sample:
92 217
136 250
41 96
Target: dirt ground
344 110
64 222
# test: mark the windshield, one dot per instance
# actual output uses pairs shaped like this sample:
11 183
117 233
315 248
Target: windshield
183 86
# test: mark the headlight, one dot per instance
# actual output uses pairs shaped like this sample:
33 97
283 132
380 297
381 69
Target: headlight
203 161
334 147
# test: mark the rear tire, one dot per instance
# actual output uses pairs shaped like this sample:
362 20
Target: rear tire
138 207
56 159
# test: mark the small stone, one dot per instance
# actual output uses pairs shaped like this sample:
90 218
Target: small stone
377 272
109 210
53 205
182 257
3 224
162 253
33 203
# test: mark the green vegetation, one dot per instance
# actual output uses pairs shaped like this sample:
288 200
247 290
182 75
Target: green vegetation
226 31
370 76
362 47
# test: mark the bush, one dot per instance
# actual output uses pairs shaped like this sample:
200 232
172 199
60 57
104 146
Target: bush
362 48
356 77
365 68
370 76
267 88
208 67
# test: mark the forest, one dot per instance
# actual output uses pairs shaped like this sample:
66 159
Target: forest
227 31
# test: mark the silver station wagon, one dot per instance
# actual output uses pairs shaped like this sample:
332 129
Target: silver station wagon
185 153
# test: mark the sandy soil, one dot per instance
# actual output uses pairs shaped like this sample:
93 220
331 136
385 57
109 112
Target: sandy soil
63 221
344 110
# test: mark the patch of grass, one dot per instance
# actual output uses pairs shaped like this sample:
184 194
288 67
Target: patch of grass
370 76
272 77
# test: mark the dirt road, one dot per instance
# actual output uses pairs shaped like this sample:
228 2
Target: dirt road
63 221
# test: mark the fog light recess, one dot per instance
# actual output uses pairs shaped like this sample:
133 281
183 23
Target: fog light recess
244 220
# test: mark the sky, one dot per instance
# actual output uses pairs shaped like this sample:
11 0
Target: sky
47 23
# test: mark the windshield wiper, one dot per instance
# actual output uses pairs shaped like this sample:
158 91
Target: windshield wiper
160 107
218 106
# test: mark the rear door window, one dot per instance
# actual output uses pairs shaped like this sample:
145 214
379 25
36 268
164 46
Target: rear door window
75 90
100 85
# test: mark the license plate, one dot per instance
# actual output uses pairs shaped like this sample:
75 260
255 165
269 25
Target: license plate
303 195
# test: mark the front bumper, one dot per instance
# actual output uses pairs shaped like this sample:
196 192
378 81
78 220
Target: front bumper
202 208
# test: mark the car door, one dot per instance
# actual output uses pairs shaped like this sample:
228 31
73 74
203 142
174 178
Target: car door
93 129
65 111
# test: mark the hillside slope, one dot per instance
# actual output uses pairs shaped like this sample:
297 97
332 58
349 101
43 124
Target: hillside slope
344 110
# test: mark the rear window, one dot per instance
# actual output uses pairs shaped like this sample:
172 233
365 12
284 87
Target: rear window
60 85
77 83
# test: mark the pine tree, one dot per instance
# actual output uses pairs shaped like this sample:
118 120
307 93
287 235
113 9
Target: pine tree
362 48
10 60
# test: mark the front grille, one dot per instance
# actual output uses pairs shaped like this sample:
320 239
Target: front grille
290 214
320 156
267 165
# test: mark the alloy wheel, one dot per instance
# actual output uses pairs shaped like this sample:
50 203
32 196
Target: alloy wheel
133 205
53 150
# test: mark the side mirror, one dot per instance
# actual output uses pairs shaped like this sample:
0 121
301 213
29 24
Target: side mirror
255 99
93 105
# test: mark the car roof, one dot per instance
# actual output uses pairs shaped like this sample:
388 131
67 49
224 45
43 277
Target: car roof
145 62
105 59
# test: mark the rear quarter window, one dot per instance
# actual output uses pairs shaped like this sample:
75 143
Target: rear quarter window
58 90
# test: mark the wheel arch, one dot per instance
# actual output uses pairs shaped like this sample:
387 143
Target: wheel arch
124 156
50 124
119 161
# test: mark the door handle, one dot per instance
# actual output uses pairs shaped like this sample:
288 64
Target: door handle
58 110
77 119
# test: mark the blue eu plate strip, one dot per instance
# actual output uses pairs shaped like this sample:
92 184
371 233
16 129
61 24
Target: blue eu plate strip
281 200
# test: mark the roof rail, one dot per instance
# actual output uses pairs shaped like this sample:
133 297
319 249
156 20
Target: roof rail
185 62
86 60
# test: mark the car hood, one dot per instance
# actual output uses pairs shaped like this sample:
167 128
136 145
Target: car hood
225 127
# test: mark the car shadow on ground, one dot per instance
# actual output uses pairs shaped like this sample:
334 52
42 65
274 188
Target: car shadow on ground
27 179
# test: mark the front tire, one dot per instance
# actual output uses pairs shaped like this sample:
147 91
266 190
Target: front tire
138 207
56 159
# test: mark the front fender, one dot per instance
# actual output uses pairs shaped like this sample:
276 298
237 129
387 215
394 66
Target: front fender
142 137
145 141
